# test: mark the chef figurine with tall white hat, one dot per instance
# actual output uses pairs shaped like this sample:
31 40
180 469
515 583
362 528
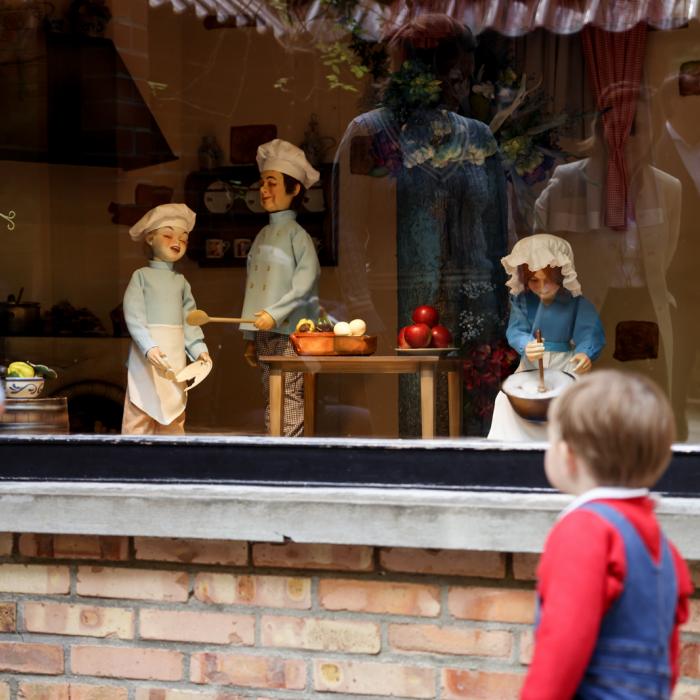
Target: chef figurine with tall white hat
156 302
282 273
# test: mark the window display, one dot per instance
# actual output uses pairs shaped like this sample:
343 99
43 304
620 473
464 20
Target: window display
426 148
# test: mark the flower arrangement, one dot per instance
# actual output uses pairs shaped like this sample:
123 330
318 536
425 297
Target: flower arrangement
526 131
484 369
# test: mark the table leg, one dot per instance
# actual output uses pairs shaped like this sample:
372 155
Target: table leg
427 400
276 401
309 404
454 401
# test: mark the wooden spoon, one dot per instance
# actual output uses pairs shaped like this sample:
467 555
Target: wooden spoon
199 318
541 388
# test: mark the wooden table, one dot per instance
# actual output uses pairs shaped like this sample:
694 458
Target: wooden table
426 366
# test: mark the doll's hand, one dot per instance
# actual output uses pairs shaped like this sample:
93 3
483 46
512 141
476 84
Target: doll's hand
534 351
249 353
263 321
583 363
160 361
204 357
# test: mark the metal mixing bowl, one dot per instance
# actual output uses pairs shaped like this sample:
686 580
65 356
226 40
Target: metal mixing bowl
521 390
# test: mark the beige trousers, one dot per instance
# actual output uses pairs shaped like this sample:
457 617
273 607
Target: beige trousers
137 422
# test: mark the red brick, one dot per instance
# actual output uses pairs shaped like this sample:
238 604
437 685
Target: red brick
349 636
192 551
44 659
693 623
74 547
248 671
263 591
136 584
78 620
525 566
329 557
368 678
527 646
480 685
447 562
5 547
173 694
686 691
204 628
8 617
450 640
690 660
36 579
379 597
492 604
64 691
127 662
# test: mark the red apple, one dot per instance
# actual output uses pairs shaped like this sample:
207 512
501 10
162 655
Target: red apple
403 343
441 337
418 335
426 314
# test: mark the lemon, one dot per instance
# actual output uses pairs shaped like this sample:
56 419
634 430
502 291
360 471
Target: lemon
20 369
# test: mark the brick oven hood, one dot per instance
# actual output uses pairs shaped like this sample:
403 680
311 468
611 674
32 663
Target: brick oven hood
78 105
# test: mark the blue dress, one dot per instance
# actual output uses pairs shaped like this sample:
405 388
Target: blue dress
568 324
451 229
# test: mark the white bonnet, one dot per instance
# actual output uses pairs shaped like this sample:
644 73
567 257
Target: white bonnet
285 157
537 252
175 215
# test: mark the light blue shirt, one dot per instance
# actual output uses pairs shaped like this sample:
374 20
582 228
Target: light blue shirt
283 273
156 295
568 323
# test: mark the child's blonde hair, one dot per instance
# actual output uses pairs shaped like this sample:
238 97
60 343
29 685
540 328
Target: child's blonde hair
620 424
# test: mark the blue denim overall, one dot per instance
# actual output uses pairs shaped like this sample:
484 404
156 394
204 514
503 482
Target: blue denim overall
631 659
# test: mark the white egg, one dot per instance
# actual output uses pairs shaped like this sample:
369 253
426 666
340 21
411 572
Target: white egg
342 328
357 326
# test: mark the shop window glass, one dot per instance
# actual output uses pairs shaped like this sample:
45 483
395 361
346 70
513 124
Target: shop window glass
441 145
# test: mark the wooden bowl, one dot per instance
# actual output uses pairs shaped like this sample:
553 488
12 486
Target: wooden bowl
355 344
521 390
313 343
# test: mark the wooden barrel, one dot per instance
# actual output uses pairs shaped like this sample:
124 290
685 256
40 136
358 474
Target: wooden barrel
35 416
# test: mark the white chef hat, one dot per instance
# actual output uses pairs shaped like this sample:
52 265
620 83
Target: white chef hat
175 215
285 157
537 252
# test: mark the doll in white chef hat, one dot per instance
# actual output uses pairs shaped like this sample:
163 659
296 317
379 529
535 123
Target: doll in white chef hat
545 296
282 272
156 302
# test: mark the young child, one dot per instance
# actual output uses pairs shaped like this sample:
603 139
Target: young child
613 590
156 302
283 272
545 295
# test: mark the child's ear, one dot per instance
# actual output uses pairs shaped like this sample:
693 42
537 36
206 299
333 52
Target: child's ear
149 238
297 189
570 460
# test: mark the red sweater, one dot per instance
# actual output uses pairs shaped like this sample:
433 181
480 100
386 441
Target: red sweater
580 575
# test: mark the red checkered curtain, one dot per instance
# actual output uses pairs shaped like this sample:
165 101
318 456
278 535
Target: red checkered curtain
615 65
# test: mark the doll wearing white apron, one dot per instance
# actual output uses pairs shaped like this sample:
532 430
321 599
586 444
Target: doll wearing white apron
546 295
156 303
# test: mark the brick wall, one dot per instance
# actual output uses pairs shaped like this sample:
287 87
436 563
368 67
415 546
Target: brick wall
92 618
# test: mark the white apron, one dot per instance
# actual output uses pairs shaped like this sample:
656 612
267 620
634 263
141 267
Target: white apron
506 424
161 398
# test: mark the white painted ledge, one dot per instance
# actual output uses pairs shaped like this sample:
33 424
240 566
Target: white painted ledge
488 521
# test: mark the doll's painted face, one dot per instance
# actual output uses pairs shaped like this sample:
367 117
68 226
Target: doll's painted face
169 244
545 284
273 195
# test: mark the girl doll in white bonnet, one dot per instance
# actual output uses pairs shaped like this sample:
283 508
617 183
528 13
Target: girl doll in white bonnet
156 302
282 273
546 296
